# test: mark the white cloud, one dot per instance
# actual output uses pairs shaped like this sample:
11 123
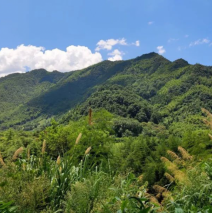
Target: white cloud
150 22
186 36
161 50
22 58
137 43
108 44
116 55
199 41
172 40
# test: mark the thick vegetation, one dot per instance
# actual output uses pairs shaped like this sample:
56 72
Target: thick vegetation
95 165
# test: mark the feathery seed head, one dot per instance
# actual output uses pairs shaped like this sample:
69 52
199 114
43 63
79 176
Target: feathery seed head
17 153
58 160
44 147
184 153
173 155
169 177
88 150
159 189
1 160
78 138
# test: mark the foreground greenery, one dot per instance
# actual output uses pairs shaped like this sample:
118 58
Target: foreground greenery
105 163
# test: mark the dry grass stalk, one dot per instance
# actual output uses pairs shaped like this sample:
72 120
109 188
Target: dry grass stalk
159 189
78 138
210 136
209 115
28 153
17 153
165 160
60 169
169 177
153 200
90 117
173 169
58 160
184 153
1 160
173 155
44 147
207 121
88 150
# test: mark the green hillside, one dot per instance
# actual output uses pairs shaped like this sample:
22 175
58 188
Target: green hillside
147 88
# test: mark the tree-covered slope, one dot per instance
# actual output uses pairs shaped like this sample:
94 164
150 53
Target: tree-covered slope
147 88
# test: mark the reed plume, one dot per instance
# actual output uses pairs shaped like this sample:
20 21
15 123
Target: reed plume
17 153
1 160
209 115
78 138
60 169
44 147
159 189
171 167
184 153
152 198
88 150
28 153
173 155
169 177
165 160
58 160
207 121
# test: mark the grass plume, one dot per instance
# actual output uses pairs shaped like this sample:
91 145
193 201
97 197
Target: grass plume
44 147
88 150
78 138
184 153
17 153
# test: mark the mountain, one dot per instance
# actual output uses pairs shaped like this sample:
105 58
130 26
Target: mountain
147 88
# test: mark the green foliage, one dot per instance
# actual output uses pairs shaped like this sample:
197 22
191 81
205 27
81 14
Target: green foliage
7 207
195 196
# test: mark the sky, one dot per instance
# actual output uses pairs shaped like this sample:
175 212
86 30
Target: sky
68 35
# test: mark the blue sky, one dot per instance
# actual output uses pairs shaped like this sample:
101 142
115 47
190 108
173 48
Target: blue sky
37 33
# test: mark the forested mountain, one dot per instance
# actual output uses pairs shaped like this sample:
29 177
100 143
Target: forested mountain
147 88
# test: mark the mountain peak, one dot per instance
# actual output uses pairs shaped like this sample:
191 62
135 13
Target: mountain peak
148 55
179 63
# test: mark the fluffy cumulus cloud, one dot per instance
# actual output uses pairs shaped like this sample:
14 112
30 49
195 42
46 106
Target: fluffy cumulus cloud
161 50
200 41
30 57
108 44
116 55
